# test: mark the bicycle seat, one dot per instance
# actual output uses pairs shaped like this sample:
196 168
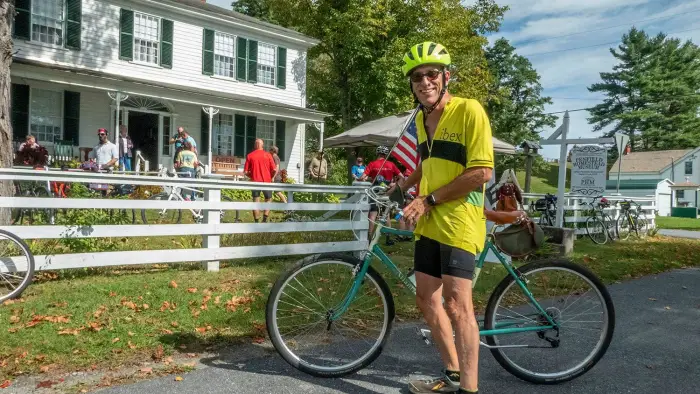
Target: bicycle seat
504 217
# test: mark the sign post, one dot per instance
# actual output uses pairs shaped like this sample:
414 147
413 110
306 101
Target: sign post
621 142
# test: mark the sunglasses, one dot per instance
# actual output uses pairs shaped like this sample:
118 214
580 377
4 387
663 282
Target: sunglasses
432 75
101 134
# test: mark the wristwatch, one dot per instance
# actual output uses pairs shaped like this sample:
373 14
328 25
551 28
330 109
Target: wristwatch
431 200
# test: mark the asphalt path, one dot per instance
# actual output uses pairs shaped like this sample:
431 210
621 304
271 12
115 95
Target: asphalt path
655 349
680 233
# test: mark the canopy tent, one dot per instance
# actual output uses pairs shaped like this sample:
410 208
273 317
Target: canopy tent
385 131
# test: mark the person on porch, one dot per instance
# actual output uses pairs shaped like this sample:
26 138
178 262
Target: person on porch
260 167
126 147
182 136
105 153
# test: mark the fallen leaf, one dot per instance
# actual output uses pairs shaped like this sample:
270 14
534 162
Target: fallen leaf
217 300
145 306
173 284
168 360
178 378
57 319
129 305
68 331
192 290
45 368
116 351
14 319
174 324
115 340
95 326
130 345
5 384
201 329
99 311
668 308
206 292
183 347
13 330
45 384
234 302
131 334
166 331
258 340
191 355
112 294
40 357
189 365
195 313
166 305
59 304
147 370
158 353
76 351
246 310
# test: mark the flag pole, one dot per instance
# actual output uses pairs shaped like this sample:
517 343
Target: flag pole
403 130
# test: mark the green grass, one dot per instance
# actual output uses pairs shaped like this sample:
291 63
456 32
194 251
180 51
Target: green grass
70 321
544 181
677 223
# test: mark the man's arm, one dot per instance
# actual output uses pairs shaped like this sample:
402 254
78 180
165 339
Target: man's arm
412 179
471 179
115 156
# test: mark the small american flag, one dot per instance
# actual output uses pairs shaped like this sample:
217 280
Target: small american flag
406 151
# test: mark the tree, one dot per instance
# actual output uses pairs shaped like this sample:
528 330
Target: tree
651 93
515 103
7 11
255 8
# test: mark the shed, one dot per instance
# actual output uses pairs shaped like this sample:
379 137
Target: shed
658 188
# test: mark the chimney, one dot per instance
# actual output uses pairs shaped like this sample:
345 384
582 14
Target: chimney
628 149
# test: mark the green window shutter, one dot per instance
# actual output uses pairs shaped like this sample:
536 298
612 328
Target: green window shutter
280 137
23 19
252 61
239 136
126 35
250 127
74 16
71 117
281 67
204 140
208 52
241 58
20 110
166 43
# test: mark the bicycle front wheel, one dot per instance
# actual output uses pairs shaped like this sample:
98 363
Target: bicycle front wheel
299 316
162 216
596 230
16 266
574 299
623 227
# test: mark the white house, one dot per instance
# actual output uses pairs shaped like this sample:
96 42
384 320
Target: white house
165 60
677 166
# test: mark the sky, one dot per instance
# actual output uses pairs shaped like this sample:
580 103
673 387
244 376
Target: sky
563 40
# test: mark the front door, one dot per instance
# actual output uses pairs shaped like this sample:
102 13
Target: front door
143 130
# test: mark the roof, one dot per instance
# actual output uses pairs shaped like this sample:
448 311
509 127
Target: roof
686 185
653 161
217 11
633 184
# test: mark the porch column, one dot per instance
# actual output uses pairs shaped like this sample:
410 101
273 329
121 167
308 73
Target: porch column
320 142
118 97
211 111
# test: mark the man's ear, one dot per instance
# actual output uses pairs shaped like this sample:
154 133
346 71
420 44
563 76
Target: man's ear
447 77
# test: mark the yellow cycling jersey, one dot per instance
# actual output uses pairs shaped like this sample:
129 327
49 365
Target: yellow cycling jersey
462 140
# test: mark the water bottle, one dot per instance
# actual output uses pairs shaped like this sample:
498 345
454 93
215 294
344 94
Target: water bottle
399 215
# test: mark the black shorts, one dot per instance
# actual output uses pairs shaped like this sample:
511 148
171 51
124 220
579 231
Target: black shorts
436 259
266 193
373 207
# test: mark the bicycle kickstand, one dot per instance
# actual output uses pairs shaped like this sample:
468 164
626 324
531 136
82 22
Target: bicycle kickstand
423 333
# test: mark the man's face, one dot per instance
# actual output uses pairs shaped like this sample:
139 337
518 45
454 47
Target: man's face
30 140
427 83
102 136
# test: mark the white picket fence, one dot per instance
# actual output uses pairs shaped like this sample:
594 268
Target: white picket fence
575 209
211 229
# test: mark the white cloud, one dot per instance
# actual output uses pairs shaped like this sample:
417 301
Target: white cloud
556 26
522 9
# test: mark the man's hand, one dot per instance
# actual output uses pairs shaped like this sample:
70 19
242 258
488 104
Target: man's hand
415 210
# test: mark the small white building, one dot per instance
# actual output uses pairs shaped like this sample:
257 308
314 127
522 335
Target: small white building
657 167
171 58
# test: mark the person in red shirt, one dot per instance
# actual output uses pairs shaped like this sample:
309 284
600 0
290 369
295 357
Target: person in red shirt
259 167
384 176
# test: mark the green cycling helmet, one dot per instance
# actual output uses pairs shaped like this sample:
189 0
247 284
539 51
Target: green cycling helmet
425 53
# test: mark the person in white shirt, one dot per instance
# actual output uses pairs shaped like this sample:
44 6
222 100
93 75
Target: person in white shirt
105 152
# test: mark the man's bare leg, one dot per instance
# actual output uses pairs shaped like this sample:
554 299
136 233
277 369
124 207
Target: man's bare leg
267 211
256 213
429 293
460 309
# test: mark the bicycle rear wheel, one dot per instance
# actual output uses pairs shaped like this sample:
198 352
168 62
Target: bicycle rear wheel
582 311
16 266
305 297
596 230
162 216
623 227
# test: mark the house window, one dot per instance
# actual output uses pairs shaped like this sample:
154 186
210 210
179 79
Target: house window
47 21
267 63
680 193
45 121
146 38
265 130
223 135
224 56
688 168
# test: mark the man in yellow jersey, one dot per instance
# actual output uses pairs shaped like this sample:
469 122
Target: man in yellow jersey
456 150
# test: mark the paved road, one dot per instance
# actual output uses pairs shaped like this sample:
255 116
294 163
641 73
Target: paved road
654 350
680 233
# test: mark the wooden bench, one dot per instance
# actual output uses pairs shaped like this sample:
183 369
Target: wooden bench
229 166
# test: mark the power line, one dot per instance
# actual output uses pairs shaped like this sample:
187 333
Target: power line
613 27
600 45
568 110
577 98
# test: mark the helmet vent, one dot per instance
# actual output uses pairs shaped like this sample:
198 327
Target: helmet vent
431 48
420 50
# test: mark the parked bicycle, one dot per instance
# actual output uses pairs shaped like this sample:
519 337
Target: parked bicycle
600 227
33 215
16 266
330 315
547 207
631 219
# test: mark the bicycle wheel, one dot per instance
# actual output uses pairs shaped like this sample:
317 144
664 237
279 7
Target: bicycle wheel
596 230
162 216
16 266
300 305
583 313
623 227
641 227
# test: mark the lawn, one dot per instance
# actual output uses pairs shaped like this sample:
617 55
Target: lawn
678 223
83 319
544 181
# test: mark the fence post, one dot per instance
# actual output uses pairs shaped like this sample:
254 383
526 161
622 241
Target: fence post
360 218
211 216
576 215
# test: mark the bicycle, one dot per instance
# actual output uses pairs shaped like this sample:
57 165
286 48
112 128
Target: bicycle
599 225
630 219
353 307
33 189
16 266
547 207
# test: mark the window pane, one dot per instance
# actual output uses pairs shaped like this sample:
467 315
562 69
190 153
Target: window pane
223 55
46 119
688 168
222 141
265 130
47 21
146 38
267 63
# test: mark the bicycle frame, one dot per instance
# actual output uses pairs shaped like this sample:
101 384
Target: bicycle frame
374 250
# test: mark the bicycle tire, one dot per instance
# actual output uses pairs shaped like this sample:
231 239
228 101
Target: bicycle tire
590 223
621 221
294 360
30 266
161 196
584 366
641 227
